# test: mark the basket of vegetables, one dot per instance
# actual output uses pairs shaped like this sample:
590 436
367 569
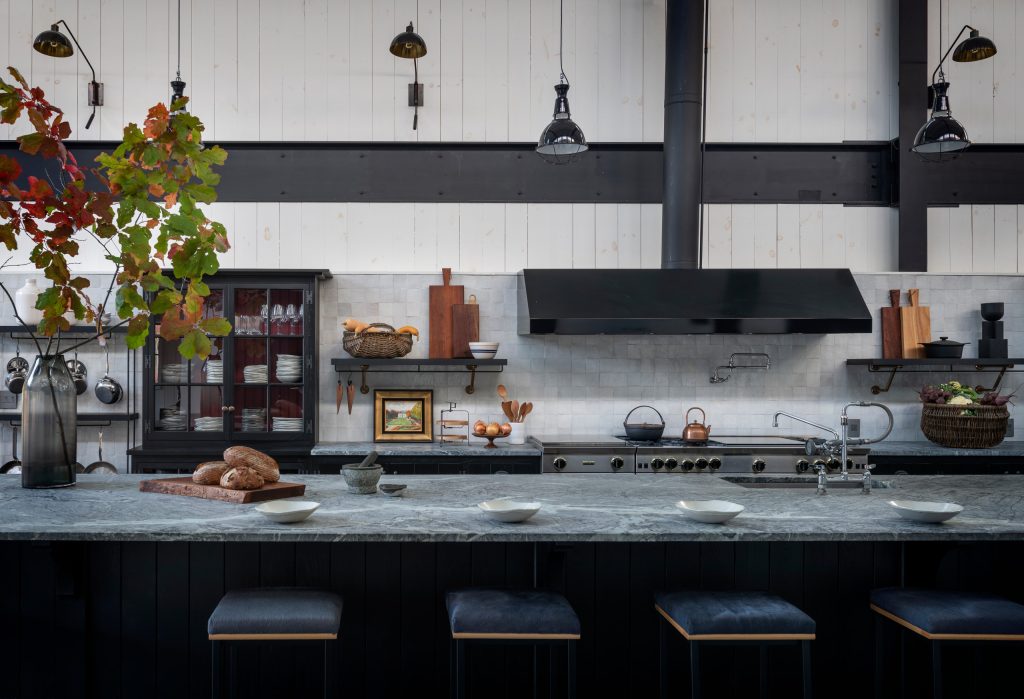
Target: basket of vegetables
377 340
957 416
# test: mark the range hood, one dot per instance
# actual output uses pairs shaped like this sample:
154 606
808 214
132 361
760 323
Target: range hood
690 301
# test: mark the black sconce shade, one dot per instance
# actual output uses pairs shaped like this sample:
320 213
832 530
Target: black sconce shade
409 44
53 43
974 48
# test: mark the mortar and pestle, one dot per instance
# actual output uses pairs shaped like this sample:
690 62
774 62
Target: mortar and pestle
363 477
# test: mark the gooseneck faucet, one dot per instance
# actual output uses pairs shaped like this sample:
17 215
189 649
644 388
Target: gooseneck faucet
775 423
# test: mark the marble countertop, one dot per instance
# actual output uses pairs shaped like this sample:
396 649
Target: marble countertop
928 449
429 449
593 507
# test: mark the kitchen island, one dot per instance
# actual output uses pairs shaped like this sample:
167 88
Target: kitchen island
119 583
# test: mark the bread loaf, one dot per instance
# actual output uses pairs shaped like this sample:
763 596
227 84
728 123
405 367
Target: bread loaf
241 478
209 473
264 465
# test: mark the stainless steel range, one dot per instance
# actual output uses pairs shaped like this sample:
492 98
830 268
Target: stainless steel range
723 454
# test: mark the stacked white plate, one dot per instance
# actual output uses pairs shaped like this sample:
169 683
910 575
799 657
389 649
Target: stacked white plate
289 368
171 420
255 373
173 373
287 424
215 371
254 419
209 424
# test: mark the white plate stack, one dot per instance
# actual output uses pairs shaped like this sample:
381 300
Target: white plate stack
209 424
171 420
173 373
254 419
255 373
289 368
287 424
215 371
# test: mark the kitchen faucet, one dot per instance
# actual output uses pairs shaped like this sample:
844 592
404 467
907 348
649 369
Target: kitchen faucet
839 446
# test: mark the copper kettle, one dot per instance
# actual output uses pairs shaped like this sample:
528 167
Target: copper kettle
696 431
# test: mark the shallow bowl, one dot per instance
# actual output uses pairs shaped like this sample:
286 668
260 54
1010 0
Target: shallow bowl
506 510
922 511
709 511
483 354
394 490
287 511
493 346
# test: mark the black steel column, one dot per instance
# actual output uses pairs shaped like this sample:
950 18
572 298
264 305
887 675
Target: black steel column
684 56
913 110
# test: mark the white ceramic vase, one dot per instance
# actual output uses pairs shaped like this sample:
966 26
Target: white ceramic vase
518 433
25 303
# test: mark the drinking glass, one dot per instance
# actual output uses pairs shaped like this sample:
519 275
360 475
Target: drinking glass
297 321
264 320
290 319
277 320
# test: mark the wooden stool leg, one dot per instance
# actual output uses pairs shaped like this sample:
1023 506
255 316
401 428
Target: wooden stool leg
232 658
694 671
879 655
460 669
805 647
326 693
662 658
571 649
762 668
936 670
551 670
215 669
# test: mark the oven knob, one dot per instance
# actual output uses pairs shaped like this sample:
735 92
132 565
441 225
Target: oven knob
715 464
702 464
687 465
670 464
818 463
758 465
617 462
834 464
559 463
656 464
802 466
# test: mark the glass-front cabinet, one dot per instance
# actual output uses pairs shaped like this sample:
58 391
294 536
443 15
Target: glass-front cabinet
259 384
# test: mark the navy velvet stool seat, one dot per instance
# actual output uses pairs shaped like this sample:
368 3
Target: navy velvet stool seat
735 617
273 614
945 616
531 616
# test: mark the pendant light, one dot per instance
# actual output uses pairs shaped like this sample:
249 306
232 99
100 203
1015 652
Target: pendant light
942 137
178 85
409 44
52 42
562 140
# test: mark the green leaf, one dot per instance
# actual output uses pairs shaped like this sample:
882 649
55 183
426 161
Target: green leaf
219 327
164 301
194 343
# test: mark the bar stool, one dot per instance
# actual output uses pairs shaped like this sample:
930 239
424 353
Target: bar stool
733 617
510 616
945 616
273 614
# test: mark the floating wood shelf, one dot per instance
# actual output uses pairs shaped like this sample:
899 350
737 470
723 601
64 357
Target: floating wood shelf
917 366
419 366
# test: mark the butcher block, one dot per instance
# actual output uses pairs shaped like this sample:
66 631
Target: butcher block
185 486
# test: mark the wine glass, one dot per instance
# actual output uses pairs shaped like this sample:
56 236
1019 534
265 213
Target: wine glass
297 321
265 319
291 319
277 319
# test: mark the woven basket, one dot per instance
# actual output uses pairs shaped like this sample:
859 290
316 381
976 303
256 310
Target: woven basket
377 345
945 425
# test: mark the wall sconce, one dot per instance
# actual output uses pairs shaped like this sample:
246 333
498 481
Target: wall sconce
409 44
52 42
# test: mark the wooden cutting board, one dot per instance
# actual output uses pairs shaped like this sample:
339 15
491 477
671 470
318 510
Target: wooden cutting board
442 298
892 343
185 486
465 327
915 326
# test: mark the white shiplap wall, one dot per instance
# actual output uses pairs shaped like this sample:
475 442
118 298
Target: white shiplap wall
780 70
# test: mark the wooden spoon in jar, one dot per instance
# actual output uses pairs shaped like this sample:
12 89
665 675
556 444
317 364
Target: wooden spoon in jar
502 393
526 410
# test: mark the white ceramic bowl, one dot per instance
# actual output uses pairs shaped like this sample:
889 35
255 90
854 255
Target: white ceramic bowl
505 510
483 354
287 511
493 346
709 511
921 511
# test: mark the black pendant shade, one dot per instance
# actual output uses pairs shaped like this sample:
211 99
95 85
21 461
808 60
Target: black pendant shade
974 48
941 135
53 43
409 44
562 140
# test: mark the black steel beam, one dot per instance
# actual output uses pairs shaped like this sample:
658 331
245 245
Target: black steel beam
859 173
913 109
985 173
684 59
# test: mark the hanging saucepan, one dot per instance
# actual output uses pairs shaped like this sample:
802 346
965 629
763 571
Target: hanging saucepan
107 389
643 431
14 465
101 466
17 370
79 374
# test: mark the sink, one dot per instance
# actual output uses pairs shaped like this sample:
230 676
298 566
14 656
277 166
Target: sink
798 483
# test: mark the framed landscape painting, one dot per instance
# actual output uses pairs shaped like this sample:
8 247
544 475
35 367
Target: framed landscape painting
403 415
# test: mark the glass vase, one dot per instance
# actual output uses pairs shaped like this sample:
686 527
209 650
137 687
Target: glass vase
49 420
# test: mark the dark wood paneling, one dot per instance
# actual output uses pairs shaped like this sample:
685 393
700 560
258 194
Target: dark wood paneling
11 618
205 588
172 617
138 618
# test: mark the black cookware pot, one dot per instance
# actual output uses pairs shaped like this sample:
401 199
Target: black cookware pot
643 431
943 348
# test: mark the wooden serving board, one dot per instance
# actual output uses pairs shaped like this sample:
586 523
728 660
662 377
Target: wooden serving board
185 486
915 327
442 298
465 328
892 343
